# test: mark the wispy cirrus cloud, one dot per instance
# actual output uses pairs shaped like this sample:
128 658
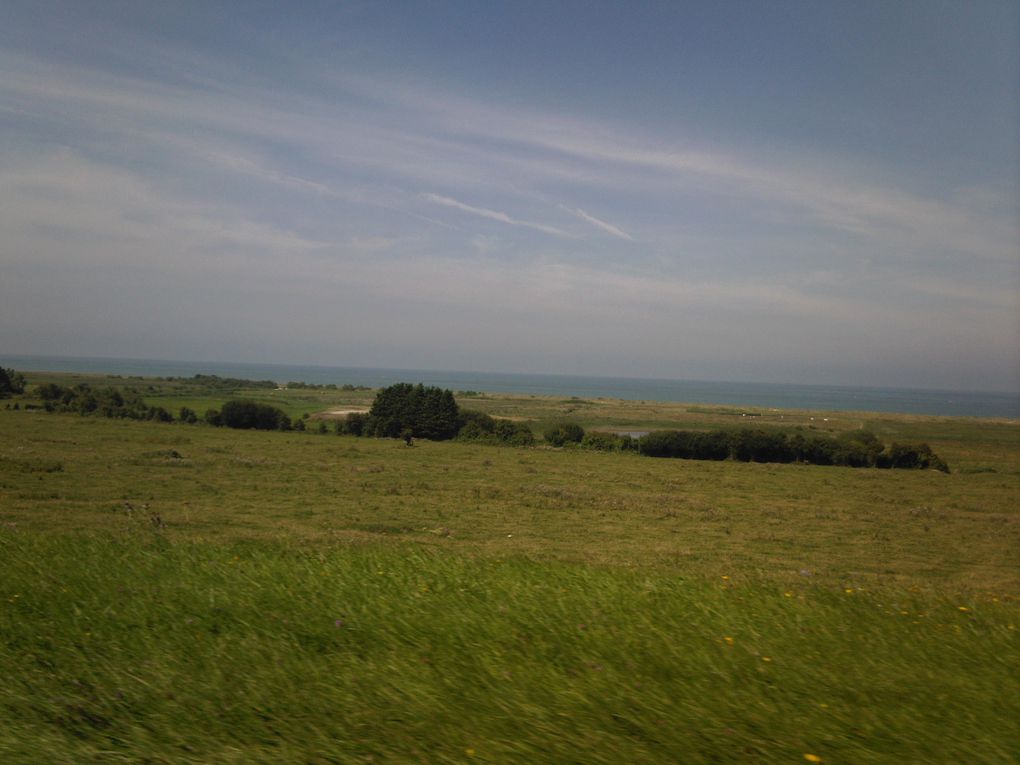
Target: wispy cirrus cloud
502 217
831 192
356 185
609 228
423 136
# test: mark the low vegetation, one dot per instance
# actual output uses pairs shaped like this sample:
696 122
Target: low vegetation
11 383
251 415
147 649
564 433
174 593
411 411
215 382
105 401
852 449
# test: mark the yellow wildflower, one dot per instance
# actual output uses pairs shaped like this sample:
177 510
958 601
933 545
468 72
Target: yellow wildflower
729 640
812 758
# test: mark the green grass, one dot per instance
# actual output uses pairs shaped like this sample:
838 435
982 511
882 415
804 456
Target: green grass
846 527
180 652
174 593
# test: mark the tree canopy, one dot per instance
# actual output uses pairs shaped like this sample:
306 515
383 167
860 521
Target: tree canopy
427 412
11 382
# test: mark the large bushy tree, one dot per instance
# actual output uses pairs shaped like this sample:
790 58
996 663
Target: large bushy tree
427 412
11 382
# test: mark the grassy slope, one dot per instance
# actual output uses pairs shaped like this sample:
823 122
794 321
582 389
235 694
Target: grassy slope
173 593
177 652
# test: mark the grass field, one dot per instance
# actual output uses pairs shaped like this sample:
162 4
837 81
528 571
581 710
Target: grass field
174 593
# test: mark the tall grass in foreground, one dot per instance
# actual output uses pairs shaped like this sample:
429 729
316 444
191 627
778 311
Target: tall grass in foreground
118 649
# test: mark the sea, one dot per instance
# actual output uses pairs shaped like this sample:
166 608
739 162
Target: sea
745 395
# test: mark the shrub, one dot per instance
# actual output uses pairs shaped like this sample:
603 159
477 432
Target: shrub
355 424
188 415
816 450
50 392
475 424
913 457
564 433
159 414
11 382
513 433
251 415
665 443
605 442
714 445
757 445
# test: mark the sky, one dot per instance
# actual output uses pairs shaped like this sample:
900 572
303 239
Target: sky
816 192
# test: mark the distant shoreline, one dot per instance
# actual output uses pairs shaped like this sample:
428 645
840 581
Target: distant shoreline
763 395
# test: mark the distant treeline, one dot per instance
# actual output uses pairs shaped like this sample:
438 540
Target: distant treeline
415 411
105 402
216 382
327 386
854 449
222 383
126 403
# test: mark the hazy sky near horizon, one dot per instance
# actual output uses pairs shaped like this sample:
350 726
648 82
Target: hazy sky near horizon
818 192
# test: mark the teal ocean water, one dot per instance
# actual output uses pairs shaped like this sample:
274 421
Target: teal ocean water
740 394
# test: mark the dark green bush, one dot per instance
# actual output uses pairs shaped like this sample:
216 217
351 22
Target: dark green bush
857 449
11 383
913 457
355 424
605 442
666 443
513 433
50 392
251 415
564 433
475 424
757 445
713 445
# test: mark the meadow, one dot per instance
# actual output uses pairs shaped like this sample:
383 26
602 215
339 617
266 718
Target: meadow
174 593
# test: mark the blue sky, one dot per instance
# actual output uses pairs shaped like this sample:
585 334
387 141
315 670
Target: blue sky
804 192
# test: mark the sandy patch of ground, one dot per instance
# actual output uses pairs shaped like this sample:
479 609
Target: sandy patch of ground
336 414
